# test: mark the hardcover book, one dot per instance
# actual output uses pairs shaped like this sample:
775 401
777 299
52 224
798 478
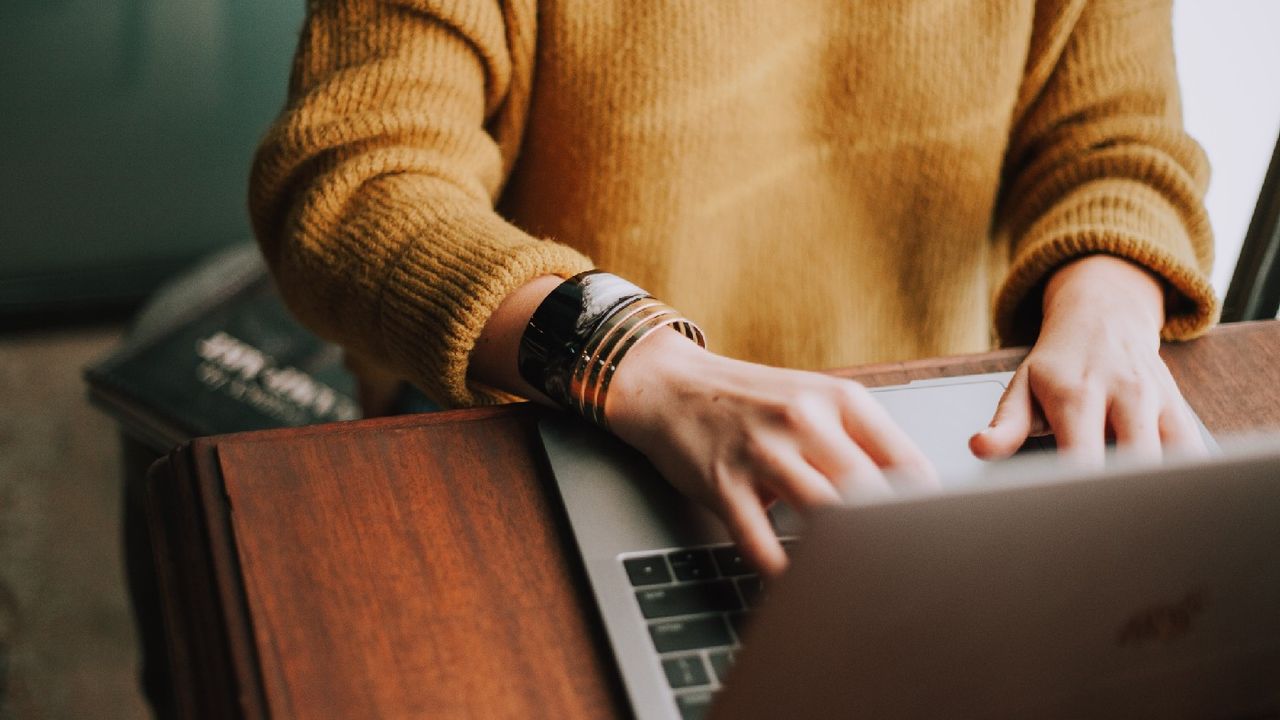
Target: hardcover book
218 352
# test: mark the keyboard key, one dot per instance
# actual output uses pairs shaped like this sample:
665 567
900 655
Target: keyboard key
739 622
678 635
694 705
751 587
731 562
691 599
720 662
692 564
686 671
648 570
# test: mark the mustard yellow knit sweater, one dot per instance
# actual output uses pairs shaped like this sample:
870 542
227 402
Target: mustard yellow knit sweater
818 183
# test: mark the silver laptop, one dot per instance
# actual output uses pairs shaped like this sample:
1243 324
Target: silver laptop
977 602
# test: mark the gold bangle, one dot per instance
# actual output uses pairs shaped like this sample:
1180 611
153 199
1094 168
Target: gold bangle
584 381
587 363
619 341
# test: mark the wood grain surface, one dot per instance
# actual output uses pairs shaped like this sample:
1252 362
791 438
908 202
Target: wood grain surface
417 566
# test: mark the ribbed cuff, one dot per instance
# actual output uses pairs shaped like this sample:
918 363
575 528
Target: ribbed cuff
1117 217
435 332
457 265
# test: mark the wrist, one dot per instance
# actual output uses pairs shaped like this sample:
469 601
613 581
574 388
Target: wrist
1105 286
653 375
581 333
494 358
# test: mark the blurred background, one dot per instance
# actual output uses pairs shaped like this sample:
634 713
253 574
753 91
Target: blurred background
126 131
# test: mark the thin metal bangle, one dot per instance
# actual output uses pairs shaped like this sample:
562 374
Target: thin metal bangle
588 362
602 391
587 365
618 338
563 323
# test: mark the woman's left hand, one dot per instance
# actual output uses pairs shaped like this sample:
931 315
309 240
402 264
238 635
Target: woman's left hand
1095 371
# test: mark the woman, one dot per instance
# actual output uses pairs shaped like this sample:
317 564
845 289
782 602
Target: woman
815 184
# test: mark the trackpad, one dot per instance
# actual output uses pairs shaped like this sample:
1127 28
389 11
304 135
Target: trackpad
941 418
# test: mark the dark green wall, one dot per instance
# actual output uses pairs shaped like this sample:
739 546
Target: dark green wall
126 132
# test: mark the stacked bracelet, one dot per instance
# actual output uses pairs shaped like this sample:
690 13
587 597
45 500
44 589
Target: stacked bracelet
578 336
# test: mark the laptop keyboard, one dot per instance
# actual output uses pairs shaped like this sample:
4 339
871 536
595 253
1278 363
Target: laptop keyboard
695 602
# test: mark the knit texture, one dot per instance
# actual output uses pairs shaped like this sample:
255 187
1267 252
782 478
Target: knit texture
817 184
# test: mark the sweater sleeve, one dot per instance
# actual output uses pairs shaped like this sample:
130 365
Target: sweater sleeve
372 194
1098 162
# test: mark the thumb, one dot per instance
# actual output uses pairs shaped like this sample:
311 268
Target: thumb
1011 424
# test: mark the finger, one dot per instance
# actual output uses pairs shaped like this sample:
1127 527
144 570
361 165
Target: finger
886 444
1180 432
834 454
862 481
1077 416
795 481
1011 423
766 496
749 525
1135 420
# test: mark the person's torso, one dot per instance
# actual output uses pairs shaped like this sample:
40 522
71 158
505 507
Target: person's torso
813 182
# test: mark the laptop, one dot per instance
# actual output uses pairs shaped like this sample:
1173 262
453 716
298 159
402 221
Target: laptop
979 601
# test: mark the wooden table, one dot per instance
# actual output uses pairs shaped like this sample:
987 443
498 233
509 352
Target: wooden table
416 566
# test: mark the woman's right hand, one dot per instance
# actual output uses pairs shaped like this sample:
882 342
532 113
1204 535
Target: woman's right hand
735 436
732 435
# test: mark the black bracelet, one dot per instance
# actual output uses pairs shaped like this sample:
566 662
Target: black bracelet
561 326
